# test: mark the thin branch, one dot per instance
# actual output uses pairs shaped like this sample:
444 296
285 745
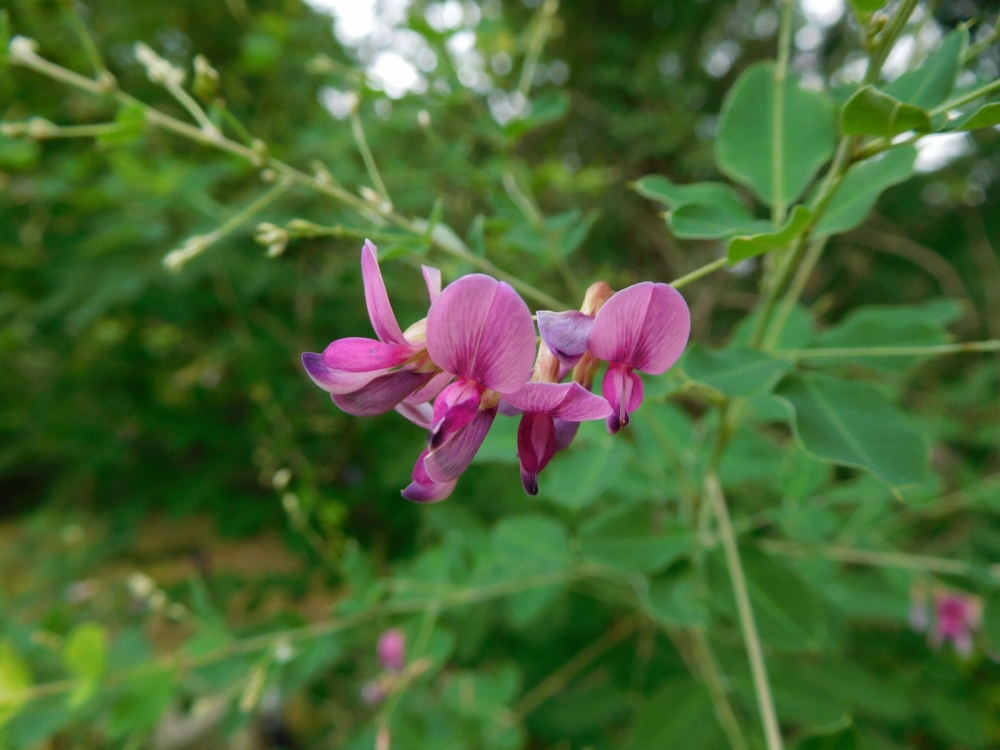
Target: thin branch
369 159
541 33
795 289
779 206
890 351
698 273
755 652
709 669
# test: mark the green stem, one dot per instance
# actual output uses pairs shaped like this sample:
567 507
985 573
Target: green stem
698 273
708 668
795 289
542 29
891 351
446 242
755 652
961 101
779 206
889 35
853 556
369 159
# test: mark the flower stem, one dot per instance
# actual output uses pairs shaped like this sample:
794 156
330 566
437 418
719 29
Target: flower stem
779 206
698 273
369 159
755 652
891 351
542 29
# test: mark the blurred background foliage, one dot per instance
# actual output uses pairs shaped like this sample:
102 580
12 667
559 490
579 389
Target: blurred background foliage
161 423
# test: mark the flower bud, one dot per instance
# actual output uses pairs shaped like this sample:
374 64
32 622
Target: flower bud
273 237
22 49
597 294
392 650
140 585
157 69
206 79
176 259
281 479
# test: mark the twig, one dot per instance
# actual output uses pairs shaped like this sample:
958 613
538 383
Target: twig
890 351
698 273
368 158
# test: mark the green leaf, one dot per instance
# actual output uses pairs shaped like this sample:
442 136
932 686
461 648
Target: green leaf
750 246
527 545
678 715
678 601
862 187
852 424
867 6
736 372
986 116
991 620
15 677
703 210
932 83
577 477
144 698
872 112
846 739
500 445
624 538
744 148
787 611
4 35
132 121
544 111
85 656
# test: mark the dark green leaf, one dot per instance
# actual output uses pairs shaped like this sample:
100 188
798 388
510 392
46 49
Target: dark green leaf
736 372
787 610
577 477
932 83
873 112
528 545
678 715
851 423
862 187
142 701
678 601
745 146
750 246
500 445
625 538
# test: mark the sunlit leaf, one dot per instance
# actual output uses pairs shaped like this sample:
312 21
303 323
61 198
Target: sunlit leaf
85 655
745 145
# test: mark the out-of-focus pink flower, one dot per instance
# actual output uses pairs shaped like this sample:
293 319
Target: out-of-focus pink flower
367 377
644 327
957 616
542 404
392 650
480 331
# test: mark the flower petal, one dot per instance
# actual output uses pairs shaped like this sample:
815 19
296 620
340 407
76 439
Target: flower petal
454 456
623 390
423 489
568 401
382 394
379 309
432 276
480 329
645 326
430 391
536 444
565 333
565 433
455 408
364 355
332 380
420 414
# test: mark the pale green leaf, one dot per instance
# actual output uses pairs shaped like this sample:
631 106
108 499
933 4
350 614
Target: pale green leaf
701 210
745 146
85 656
750 246
932 83
867 6
736 372
15 677
862 187
852 424
873 112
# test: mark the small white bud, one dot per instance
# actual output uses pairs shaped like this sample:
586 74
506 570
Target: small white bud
176 259
283 651
290 501
268 175
276 240
140 585
281 478
424 118
22 49
157 600
157 69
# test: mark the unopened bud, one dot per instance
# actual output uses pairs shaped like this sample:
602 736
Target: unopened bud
22 49
275 239
140 585
597 294
176 259
206 79
392 650
424 118
281 479
546 365
261 155
157 69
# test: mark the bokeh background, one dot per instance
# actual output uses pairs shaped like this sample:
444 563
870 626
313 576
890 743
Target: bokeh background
160 423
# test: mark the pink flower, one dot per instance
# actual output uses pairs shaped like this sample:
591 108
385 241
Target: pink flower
480 331
644 327
538 436
392 650
957 617
367 377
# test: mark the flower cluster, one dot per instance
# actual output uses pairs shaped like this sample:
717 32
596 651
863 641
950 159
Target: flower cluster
957 617
477 353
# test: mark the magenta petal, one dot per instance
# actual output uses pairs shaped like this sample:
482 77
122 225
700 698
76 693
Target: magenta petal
432 276
420 414
430 391
536 444
423 489
454 456
569 401
623 390
332 380
455 408
565 334
565 433
480 329
645 326
379 310
382 394
364 355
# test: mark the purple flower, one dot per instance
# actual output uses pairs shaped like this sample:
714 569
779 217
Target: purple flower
957 617
537 436
367 377
480 331
392 650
